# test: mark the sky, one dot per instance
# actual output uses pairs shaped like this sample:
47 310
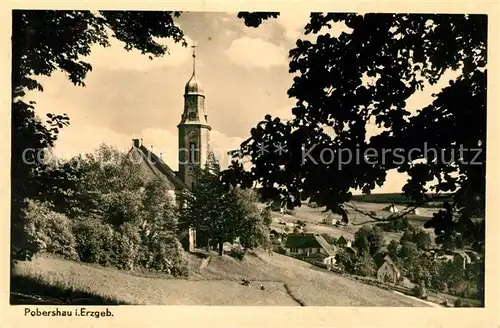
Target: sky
244 72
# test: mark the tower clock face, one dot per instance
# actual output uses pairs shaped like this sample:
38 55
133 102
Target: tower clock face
192 133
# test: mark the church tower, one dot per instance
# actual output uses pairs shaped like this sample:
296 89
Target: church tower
193 130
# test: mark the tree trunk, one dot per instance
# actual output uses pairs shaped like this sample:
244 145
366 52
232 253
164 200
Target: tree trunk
220 247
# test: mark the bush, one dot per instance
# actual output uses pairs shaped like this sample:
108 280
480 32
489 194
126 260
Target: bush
419 291
280 249
237 253
126 246
312 204
48 231
460 302
163 253
95 241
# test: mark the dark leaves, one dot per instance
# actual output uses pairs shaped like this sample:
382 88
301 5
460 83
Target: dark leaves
366 75
254 19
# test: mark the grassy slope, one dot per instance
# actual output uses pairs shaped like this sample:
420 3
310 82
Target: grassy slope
287 280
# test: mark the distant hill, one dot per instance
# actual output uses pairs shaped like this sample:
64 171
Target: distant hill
398 198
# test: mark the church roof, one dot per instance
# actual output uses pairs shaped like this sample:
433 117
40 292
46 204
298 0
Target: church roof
193 86
157 166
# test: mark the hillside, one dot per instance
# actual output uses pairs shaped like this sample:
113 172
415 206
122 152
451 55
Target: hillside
313 218
288 281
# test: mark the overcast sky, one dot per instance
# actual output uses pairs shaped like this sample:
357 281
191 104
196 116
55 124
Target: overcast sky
244 72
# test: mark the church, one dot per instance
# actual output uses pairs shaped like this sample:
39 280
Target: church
194 149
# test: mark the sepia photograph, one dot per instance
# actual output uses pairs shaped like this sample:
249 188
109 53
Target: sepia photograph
251 158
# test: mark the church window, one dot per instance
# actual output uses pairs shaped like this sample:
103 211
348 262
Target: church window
192 116
192 153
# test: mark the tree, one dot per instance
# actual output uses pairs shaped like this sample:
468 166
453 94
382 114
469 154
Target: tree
422 239
369 239
346 261
400 53
255 224
406 237
365 266
392 248
45 41
222 213
361 242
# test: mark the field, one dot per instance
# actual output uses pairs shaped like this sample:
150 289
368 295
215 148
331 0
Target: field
289 282
314 217
396 199
216 280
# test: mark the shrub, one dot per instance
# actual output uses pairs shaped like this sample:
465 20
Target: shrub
237 253
365 266
280 249
312 204
419 291
95 241
126 245
460 302
163 253
48 231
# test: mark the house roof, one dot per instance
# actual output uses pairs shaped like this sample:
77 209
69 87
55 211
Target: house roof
309 241
157 166
464 255
342 239
391 263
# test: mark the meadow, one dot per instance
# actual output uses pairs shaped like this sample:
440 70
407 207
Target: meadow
288 282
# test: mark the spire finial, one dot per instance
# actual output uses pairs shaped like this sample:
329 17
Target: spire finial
195 44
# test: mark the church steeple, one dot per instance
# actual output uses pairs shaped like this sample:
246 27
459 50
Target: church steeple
193 129
193 86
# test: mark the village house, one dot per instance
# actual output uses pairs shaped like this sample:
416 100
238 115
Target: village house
310 246
392 209
388 271
343 242
462 258
275 234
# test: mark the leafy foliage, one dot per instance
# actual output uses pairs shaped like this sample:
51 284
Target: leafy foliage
400 52
398 225
369 239
94 241
44 41
254 19
48 231
221 213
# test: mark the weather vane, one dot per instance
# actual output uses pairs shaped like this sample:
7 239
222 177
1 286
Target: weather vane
195 44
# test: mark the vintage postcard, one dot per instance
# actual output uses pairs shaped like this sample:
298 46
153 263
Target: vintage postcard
219 164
